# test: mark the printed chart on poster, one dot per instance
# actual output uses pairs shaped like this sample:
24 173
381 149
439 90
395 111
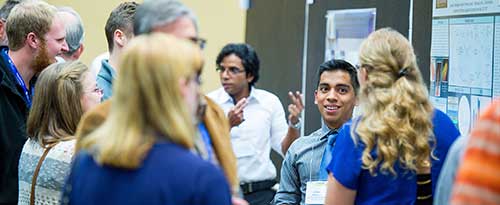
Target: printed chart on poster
465 58
346 30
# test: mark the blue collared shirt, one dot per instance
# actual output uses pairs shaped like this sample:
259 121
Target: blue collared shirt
105 79
301 164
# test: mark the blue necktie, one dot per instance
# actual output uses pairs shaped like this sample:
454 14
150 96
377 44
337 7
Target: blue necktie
327 156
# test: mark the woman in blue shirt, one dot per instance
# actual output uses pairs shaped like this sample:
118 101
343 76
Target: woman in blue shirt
378 155
142 153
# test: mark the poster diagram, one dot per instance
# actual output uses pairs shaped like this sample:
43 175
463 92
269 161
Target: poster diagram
346 30
465 58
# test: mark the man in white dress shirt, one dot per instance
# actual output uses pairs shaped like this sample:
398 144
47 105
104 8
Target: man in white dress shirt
257 120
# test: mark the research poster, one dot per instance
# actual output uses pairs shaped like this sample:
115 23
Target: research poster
345 31
465 58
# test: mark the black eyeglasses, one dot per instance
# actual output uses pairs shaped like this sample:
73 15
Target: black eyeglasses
201 42
233 70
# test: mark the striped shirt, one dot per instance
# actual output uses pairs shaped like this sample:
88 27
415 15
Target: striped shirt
301 164
478 178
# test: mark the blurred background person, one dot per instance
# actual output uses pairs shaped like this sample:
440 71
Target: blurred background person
4 14
64 91
377 156
212 141
478 178
142 154
74 33
119 31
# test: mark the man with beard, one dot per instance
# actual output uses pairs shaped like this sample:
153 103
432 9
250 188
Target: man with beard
36 36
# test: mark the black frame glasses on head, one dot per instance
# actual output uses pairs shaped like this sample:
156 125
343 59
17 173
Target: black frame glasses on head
233 70
201 42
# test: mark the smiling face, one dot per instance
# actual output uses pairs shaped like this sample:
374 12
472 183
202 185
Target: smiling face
56 39
51 45
335 97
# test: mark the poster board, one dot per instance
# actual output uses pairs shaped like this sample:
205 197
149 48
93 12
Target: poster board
465 58
345 31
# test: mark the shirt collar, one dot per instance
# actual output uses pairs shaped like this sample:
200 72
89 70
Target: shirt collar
226 98
107 71
325 130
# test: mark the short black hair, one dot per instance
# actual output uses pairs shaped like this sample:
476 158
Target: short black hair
337 64
248 57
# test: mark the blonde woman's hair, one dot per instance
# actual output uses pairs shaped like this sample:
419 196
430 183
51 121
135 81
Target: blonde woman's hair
396 119
57 108
147 105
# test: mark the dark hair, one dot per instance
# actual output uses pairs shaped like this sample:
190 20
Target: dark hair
337 64
122 17
247 55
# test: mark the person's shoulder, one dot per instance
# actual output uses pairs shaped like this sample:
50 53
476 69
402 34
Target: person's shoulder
303 142
266 97
264 93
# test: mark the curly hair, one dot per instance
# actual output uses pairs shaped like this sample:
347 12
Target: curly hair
396 119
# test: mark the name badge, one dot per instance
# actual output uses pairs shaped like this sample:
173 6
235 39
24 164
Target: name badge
316 192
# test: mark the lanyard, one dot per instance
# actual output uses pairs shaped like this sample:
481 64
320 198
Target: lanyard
19 79
206 140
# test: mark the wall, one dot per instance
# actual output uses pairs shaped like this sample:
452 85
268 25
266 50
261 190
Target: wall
220 22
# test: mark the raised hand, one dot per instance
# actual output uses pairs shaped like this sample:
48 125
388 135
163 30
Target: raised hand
296 107
235 114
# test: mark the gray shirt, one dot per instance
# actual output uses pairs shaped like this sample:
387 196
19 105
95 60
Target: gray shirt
301 164
447 176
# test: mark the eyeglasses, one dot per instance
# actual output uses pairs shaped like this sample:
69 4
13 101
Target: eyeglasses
233 70
96 90
199 41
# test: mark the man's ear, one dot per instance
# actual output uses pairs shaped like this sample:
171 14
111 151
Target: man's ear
250 77
3 34
32 40
120 38
78 52
315 97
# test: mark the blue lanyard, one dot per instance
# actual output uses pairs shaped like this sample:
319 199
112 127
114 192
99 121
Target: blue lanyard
206 139
19 79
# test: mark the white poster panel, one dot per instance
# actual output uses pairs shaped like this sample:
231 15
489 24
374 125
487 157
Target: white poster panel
465 58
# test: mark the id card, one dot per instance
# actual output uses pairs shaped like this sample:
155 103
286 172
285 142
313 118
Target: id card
316 192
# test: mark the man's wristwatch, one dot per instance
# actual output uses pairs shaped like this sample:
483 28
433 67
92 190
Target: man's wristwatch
296 125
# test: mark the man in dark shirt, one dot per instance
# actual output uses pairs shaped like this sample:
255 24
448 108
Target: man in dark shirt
36 36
